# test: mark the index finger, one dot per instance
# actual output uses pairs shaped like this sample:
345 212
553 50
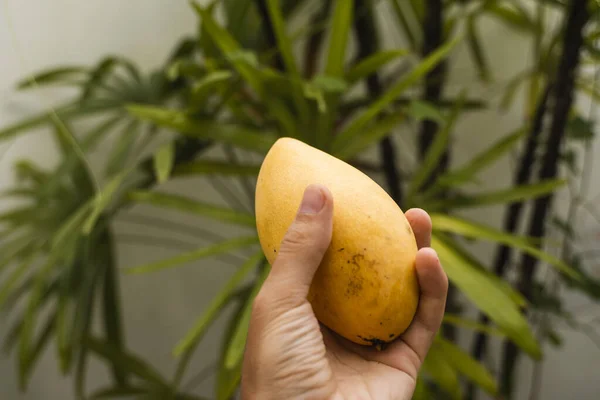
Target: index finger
420 223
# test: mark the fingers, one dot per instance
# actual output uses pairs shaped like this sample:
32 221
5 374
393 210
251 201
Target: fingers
432 303
421 225
407 353
304 244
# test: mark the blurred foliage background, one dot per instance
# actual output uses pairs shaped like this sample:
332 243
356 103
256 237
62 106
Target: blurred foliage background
318 71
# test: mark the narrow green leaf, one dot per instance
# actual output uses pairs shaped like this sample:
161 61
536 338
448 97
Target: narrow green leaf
163 162
62 75
111 306
215 249
228 378
104 69
517 193
422 391
421 111
238 342
512 87
374 134
356 126
330 84
184 204
243 21
473 325
67 111
237 135
93 136
340 33
8 283
118 393
481 161
28 171
216 168
283 40
27 365
121 149
435 151
467 366
580 128
443 373
61 243
95 257
102 201
182 68
206 86
500 283
63 144
18 216
586 86
461 226
474 230
218 302
228 45
285 49
510 17
64 311
130 362
488 297
75 155
372 64
418 9
17 249
477 50
19 193
404 21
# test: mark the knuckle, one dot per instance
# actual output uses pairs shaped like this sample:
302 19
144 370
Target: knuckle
303 234
296 236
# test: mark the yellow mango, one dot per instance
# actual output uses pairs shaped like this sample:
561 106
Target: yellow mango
366 287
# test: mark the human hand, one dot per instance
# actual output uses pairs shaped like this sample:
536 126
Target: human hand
289 355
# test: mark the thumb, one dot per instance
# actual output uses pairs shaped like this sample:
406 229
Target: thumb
304 244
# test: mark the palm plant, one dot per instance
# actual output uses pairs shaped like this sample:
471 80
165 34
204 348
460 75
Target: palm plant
215 108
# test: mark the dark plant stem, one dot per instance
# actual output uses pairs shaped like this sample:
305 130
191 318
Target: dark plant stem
113 326
434 82
368 43
433 25
513 215
577 18
315 41
271 40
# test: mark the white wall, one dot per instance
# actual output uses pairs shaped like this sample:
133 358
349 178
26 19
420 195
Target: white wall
160 308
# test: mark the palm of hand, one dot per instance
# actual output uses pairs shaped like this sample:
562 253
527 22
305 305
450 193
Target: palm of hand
358 374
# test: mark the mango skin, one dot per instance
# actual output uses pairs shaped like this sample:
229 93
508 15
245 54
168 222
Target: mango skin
366 288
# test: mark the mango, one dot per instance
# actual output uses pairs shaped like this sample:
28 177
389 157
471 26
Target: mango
366 288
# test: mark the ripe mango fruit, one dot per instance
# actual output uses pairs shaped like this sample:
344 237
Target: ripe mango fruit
366 287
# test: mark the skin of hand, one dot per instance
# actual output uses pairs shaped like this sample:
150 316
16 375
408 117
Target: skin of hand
289 355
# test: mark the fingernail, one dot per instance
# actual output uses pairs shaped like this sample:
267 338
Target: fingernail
313 200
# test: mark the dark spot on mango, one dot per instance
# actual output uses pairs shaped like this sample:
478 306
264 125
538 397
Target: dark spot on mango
356 259
355 286
391 335
376 342
341 249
